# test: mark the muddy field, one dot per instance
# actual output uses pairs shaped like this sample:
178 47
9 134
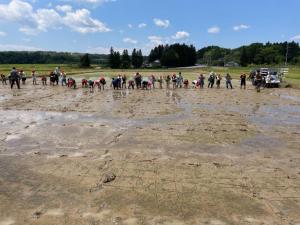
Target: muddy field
178 156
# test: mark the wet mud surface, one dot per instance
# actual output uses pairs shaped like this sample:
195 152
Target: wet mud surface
166 156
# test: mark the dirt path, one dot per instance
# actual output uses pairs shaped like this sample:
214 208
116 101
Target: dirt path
179 156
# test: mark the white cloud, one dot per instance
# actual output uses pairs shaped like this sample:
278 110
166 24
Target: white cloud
103 50
2 33
64 8
29 30
142 25
157 40
15 11
130 26
80 21
96 1
12 47
46 18
161 23
214 30
181 35
130 40
241 27
33 22
153 42
93 3
296 38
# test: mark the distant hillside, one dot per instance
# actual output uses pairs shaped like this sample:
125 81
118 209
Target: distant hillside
42 57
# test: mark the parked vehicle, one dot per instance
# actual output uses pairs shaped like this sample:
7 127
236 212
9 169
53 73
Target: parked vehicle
272 78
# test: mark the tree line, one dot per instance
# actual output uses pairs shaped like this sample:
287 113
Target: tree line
175 55
125 61
47 57
253 54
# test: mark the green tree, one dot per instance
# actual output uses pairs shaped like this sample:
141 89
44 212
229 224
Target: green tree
134 58
243 57
126 62
140 59
85 61
114 59
137 58
156 53
170 58
176 55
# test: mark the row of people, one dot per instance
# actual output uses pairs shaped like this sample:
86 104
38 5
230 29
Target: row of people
18 76
177 81
15 77
138 81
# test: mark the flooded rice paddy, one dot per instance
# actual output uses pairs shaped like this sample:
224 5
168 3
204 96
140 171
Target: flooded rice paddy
184 156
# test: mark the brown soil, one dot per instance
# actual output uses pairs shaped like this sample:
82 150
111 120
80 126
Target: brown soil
185 156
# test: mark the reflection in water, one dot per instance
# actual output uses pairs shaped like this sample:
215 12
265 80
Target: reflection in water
255 108
119 94
174 96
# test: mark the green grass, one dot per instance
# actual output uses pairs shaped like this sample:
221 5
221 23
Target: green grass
293 78
44 68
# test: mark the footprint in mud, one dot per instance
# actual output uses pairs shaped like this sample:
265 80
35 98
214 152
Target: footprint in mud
100 215
54 212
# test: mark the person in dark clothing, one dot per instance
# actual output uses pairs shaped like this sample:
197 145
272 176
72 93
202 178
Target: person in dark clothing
116 83
138 80
56 78
124 79
258 81
201 80
14 76
211 80
145 85
218 78
52 78
243 81
91 85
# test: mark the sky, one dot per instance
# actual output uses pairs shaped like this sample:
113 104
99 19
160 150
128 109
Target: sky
93 26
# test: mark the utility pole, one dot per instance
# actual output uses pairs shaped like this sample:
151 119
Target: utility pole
287 53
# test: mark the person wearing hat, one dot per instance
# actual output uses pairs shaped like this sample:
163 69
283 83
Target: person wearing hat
14 76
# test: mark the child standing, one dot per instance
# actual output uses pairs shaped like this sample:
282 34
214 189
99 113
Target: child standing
33 75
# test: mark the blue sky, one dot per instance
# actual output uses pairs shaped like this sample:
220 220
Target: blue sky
95 25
